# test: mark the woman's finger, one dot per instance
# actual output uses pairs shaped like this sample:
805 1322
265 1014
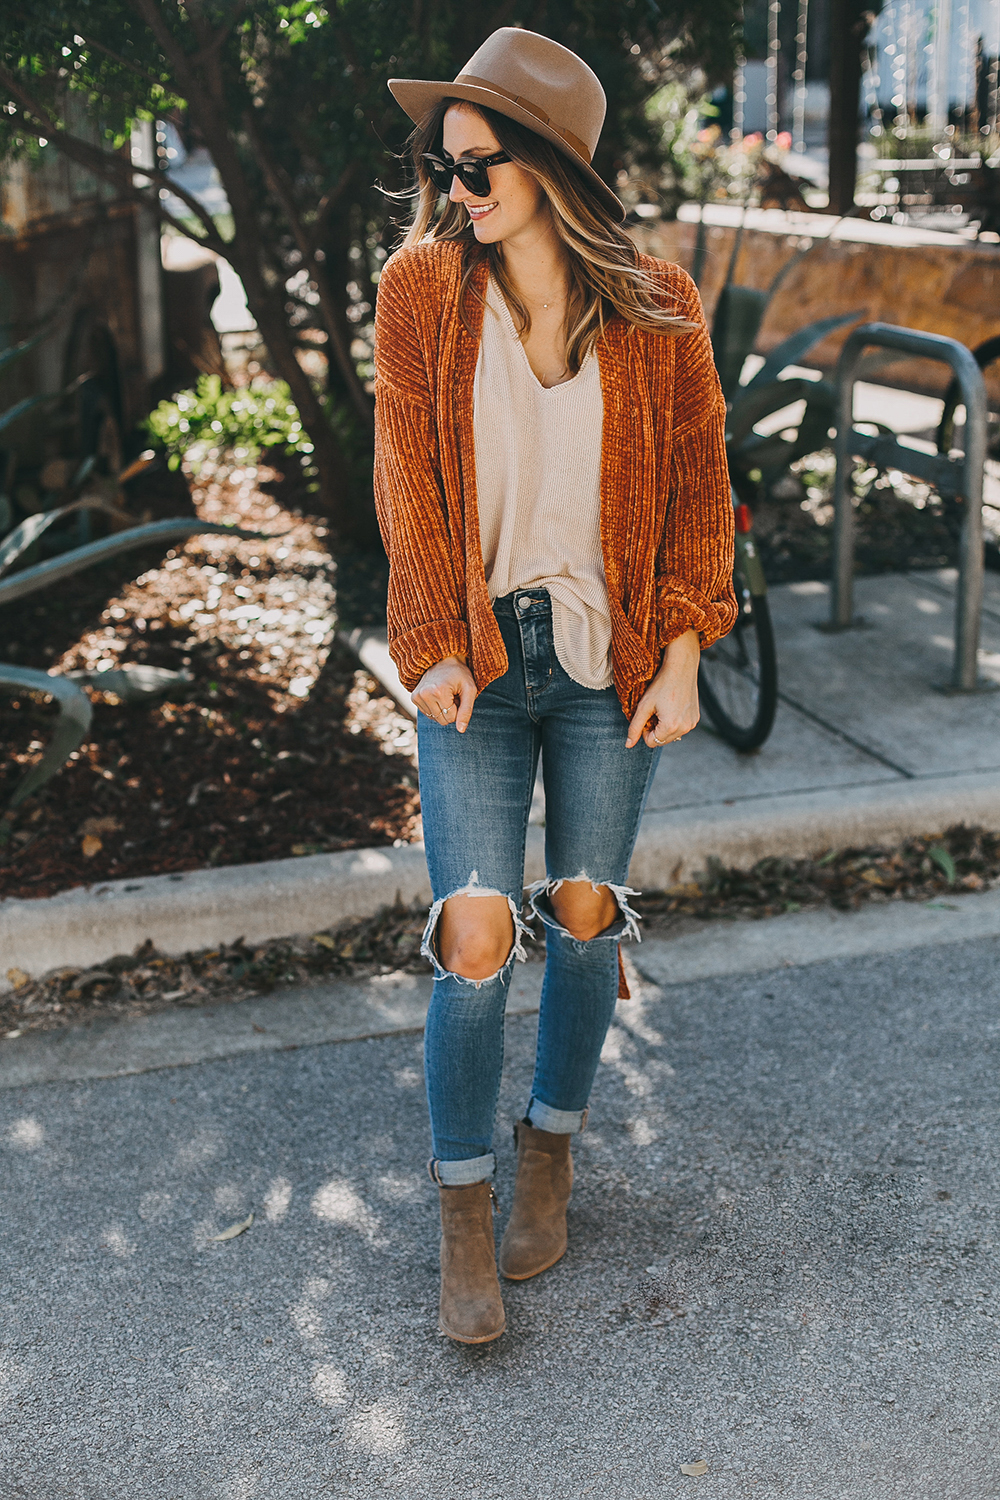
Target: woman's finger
639 721
469 694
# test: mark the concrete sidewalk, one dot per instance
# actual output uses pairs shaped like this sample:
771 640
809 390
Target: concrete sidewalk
783 1263
864 746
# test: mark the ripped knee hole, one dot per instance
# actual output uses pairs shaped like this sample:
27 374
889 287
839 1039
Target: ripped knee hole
477 952
622 921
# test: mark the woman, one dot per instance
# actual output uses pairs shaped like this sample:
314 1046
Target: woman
553 494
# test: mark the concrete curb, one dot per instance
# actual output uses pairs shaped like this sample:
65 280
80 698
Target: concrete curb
676 845
812 937
279 898
202 908
384 1005
371 647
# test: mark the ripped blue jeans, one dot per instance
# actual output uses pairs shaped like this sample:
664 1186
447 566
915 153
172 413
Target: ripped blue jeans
475 792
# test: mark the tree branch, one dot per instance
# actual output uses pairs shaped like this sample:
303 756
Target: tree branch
123 61
332 196
207 112
150 14
198 209
274 177
220 36
114 169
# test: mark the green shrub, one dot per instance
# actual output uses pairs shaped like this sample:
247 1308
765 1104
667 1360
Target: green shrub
261 415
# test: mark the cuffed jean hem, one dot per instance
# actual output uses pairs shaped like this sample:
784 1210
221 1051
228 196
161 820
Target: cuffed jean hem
557 1121
463 1173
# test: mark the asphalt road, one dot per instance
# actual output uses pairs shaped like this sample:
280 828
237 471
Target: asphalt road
783 1262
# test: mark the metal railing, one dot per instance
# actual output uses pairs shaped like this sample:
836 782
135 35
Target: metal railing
959 478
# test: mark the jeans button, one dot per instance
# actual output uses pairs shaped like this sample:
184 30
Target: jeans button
524 603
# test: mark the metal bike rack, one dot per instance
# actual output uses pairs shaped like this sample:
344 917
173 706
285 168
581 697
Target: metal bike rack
958 478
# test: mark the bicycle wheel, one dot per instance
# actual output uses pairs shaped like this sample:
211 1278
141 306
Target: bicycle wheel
738 676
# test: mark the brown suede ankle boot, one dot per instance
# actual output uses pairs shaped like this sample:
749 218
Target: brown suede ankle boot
536 1233
471 1305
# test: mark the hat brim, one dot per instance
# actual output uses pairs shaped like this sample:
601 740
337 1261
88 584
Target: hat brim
419 96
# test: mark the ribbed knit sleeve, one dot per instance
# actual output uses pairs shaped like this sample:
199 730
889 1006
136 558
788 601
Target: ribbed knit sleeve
426 614
695 560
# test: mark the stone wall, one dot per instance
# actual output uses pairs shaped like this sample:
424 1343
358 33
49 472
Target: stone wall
940 283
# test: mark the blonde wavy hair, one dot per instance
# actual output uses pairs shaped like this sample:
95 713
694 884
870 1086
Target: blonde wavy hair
606 277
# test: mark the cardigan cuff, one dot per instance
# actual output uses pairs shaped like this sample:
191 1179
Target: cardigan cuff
682 607
416 650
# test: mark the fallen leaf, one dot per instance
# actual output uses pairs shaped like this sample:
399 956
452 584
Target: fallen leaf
12 1034
91 845
234 1230
18 978
695 1471
872 877
99 826
324 940
259 1028
944 862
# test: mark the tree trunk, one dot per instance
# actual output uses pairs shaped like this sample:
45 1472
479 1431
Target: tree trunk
267 307
849 24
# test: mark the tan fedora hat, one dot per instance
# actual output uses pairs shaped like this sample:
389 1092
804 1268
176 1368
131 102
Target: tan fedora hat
533 80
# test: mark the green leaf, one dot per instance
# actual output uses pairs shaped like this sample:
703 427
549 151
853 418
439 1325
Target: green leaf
791 350
11 415
944 862
20 539
68 563
75 713
738 316
11 356
752 404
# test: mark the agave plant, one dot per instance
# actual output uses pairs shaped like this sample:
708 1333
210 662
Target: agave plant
738 316
769 391
75 709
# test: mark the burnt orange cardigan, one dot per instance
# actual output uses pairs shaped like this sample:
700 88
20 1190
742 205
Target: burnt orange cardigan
666 515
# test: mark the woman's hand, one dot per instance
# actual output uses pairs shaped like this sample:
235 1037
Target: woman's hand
668 709
444 686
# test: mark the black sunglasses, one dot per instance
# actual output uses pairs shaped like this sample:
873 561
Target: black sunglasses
472 172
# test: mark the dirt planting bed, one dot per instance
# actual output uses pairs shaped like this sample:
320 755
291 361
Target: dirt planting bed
276 745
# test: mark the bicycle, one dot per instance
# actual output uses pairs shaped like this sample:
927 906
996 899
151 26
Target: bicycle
738 676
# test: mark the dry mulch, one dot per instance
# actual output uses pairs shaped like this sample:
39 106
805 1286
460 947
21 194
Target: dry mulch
277 746
921 869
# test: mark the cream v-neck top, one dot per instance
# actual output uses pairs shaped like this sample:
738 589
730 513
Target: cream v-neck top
538 462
